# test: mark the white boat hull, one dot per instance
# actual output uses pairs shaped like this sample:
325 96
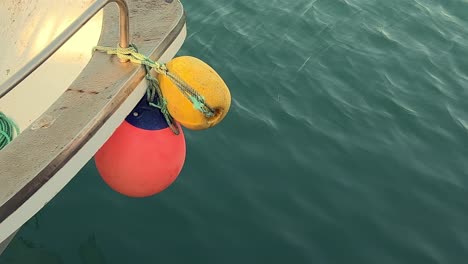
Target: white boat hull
18 212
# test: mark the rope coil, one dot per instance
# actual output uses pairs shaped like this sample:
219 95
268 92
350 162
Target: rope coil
8 130
131 54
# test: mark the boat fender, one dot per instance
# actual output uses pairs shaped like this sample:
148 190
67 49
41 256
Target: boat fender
143 156
202 84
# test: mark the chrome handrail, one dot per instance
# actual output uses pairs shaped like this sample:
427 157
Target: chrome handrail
39 59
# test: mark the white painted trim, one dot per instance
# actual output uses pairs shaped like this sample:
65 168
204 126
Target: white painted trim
42 196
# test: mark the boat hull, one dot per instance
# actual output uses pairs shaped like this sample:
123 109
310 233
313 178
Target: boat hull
96 115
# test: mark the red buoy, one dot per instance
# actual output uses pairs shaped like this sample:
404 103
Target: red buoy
143 156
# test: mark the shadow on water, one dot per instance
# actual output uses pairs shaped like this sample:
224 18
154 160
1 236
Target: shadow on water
27 251
90 252
24 250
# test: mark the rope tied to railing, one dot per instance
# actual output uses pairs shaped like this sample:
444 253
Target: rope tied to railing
131 54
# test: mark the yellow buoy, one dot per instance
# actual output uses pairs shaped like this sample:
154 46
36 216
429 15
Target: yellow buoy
200 77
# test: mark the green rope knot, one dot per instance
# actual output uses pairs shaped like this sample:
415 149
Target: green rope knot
131 54
8 130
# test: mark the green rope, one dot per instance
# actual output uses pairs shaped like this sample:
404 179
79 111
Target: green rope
161 103
131 54
8 130
197 100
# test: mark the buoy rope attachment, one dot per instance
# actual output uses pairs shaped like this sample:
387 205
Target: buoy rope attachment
131 54
8 130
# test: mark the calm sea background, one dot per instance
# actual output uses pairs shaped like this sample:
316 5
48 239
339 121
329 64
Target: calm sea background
347 142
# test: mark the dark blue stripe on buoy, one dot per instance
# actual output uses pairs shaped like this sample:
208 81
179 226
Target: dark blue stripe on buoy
146 117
